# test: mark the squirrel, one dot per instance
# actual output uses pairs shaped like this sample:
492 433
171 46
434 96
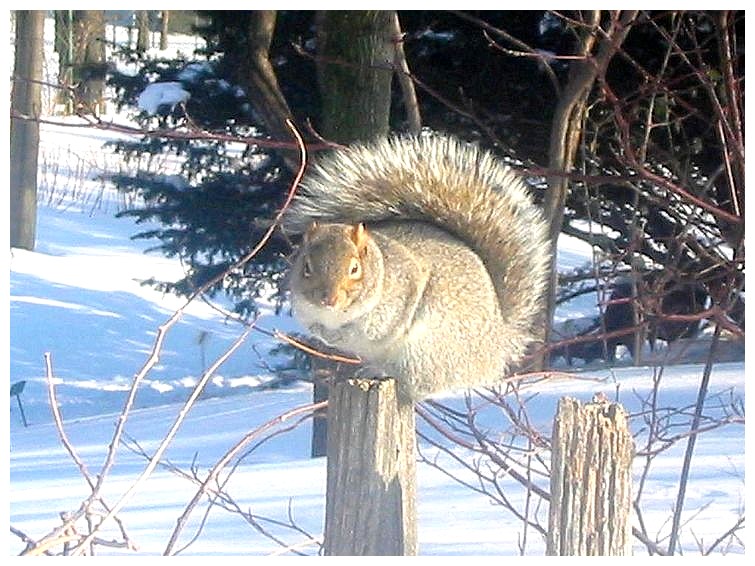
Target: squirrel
422 255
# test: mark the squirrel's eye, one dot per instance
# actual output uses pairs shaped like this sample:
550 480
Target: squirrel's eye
355 269
307 271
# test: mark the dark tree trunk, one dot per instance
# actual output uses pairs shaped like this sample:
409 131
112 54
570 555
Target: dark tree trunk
370 506
354 67
64 49
26 103
142 31
258 77
89 66
164 19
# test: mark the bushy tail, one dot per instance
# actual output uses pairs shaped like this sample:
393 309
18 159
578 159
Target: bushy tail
455 186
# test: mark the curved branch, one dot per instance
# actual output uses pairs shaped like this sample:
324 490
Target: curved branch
404 78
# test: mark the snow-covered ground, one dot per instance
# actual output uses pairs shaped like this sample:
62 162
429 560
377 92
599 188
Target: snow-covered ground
78 297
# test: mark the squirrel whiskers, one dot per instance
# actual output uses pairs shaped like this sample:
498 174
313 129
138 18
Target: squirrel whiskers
424 256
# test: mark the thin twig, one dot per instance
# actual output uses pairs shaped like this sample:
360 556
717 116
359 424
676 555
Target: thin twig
157 348
168 438
55 408
461 442
223 462
62 535
644 539
738 525
30 542
311 350
513 40
686 464
170 133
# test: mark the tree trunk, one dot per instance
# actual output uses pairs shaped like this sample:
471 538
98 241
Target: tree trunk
591 481
261 84
64 49
566 133
370 505
164 19
89 66
26 103
354 67
142 31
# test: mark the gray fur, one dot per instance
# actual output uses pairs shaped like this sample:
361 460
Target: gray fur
456 293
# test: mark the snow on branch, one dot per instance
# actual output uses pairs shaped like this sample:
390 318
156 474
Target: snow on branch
158 97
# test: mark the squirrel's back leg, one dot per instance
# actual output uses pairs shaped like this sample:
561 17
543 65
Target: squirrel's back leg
435 363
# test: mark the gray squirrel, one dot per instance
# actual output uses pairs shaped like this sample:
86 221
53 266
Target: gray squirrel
422 255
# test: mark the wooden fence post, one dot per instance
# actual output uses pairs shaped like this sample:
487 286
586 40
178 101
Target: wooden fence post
591 481
324 371
370 505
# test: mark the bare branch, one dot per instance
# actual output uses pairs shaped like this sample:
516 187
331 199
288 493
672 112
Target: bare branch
738 525
701 395
212 476
167 438
55 408
404 77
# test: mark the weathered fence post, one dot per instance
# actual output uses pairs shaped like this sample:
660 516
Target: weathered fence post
591 481
371 487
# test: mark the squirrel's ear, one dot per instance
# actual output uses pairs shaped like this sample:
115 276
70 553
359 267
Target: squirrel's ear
359 235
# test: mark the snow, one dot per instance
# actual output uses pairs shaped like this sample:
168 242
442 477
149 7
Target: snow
157 96
195 71
78 296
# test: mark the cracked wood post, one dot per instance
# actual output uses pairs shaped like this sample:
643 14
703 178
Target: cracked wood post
371 487
591 481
